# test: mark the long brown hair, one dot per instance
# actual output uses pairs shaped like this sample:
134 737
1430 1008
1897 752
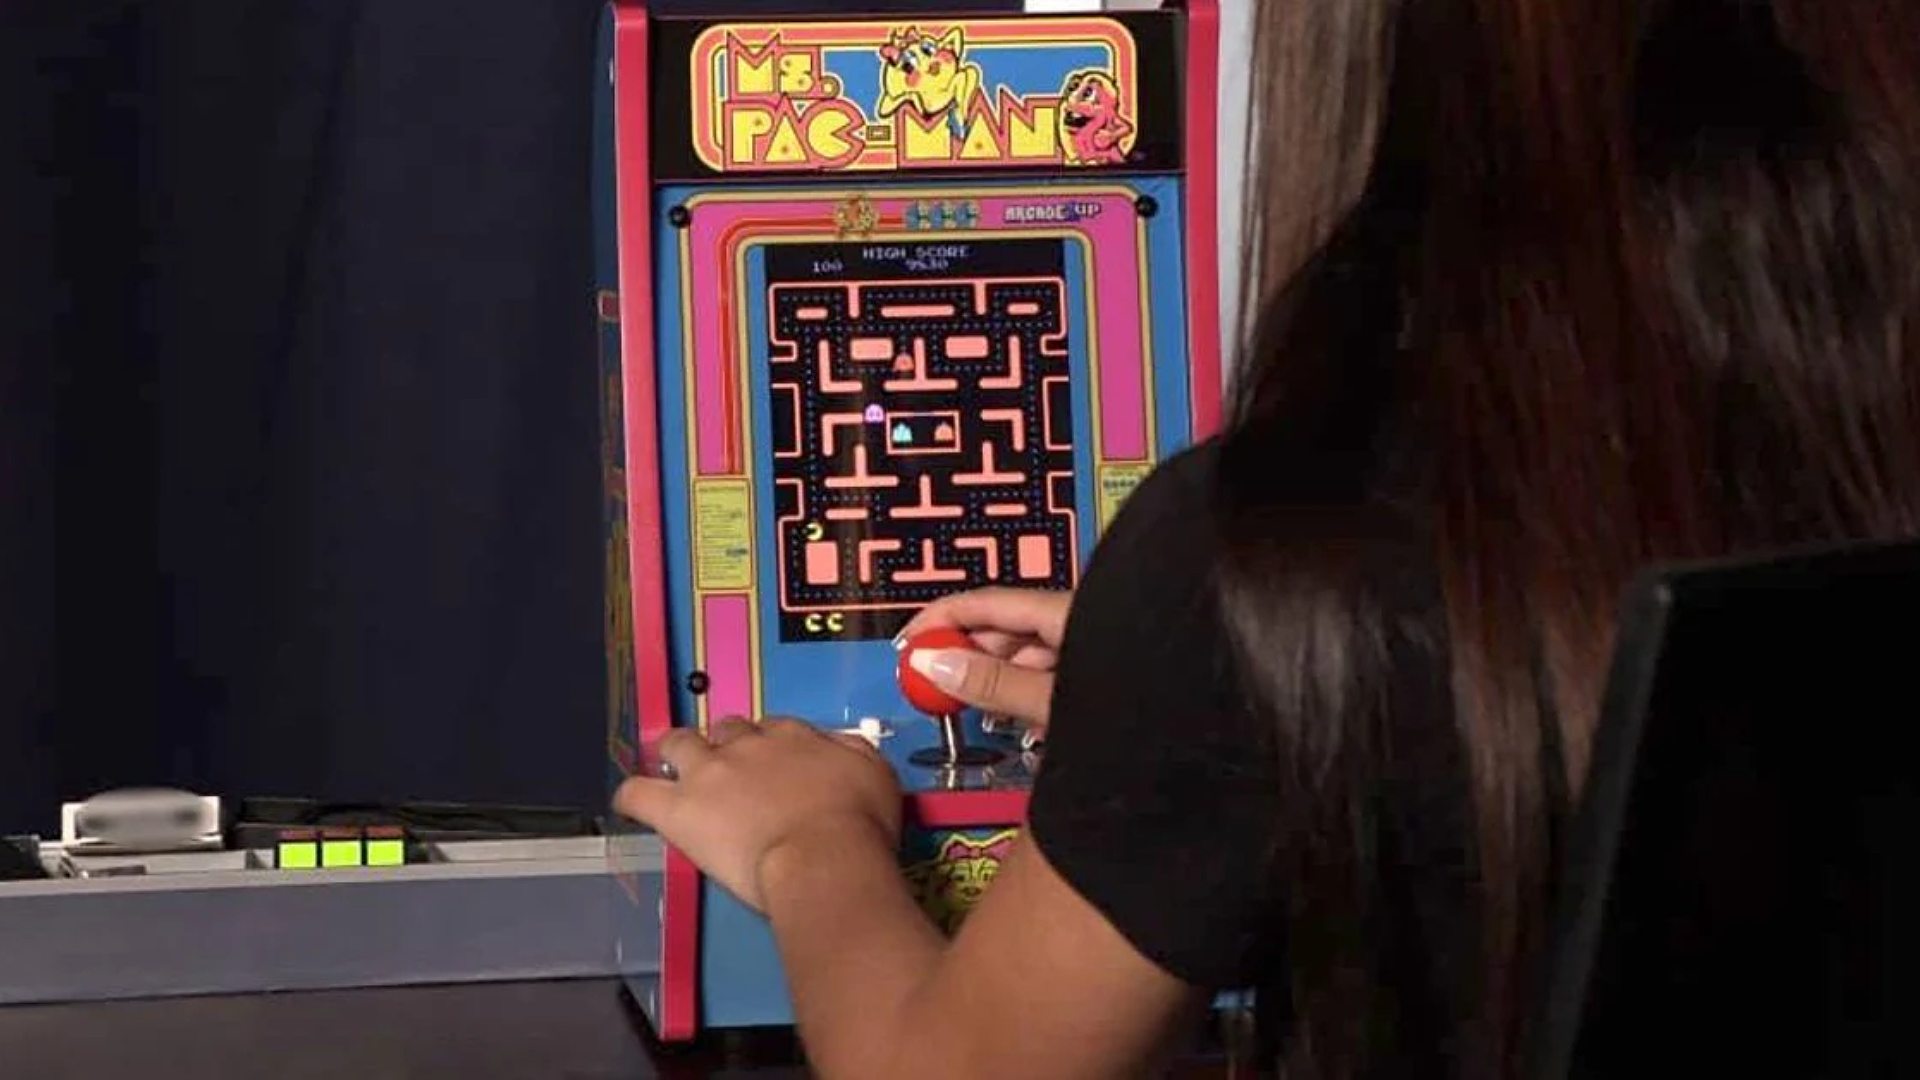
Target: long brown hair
1541 291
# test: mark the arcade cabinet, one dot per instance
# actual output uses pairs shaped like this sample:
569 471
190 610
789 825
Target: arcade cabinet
890 307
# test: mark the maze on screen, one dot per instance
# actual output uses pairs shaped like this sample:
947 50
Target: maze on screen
922 444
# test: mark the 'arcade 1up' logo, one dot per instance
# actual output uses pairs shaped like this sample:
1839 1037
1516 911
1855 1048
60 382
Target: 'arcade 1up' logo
886 95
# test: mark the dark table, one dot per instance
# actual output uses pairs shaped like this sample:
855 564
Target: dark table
578 1030
572 1030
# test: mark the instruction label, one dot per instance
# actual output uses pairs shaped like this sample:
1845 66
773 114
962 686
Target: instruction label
1116 482
722 535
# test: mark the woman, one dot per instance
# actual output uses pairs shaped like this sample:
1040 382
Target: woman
1547 291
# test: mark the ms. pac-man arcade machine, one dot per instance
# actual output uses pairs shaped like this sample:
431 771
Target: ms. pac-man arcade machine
890 307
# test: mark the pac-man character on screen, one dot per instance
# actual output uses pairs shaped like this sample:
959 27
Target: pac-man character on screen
1093 129
931 73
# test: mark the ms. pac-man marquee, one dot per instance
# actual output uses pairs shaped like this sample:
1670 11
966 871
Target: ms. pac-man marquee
890 307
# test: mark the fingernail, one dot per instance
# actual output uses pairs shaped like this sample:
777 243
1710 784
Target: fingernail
899 641
944 668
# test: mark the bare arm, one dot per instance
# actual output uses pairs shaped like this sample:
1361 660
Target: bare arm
1036 983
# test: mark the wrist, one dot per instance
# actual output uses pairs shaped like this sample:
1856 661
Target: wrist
824 847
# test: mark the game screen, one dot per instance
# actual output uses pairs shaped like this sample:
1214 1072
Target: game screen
922 435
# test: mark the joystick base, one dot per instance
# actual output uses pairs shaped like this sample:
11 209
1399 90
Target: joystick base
934 757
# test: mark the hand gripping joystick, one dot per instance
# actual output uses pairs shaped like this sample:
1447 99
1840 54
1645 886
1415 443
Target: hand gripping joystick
937 703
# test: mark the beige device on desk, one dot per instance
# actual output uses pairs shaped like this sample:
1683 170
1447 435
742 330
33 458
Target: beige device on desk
140 820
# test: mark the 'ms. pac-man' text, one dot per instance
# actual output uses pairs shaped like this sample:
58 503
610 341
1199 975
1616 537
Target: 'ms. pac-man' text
884 96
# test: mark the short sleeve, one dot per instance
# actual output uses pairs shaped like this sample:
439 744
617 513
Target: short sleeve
1156 798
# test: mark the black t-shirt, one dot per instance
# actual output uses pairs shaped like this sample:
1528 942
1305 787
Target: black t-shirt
1156 800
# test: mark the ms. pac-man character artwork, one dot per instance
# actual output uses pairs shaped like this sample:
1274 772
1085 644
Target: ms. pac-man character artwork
890 307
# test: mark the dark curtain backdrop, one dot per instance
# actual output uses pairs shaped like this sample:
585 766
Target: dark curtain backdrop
298 458
297 425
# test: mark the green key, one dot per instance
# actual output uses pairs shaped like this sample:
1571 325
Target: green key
337 853
299 855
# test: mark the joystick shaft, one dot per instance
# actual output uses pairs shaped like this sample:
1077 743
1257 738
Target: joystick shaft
953 738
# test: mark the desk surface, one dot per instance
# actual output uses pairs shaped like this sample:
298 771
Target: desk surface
579 1030
572 1030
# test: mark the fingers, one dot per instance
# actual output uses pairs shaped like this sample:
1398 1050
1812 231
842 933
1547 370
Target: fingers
987 682
683 750
686 756
787 727
645 800
998 642
1022 612
722 732
855 742
1038 657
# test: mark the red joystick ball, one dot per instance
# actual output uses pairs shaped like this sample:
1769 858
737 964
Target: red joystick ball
920 693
